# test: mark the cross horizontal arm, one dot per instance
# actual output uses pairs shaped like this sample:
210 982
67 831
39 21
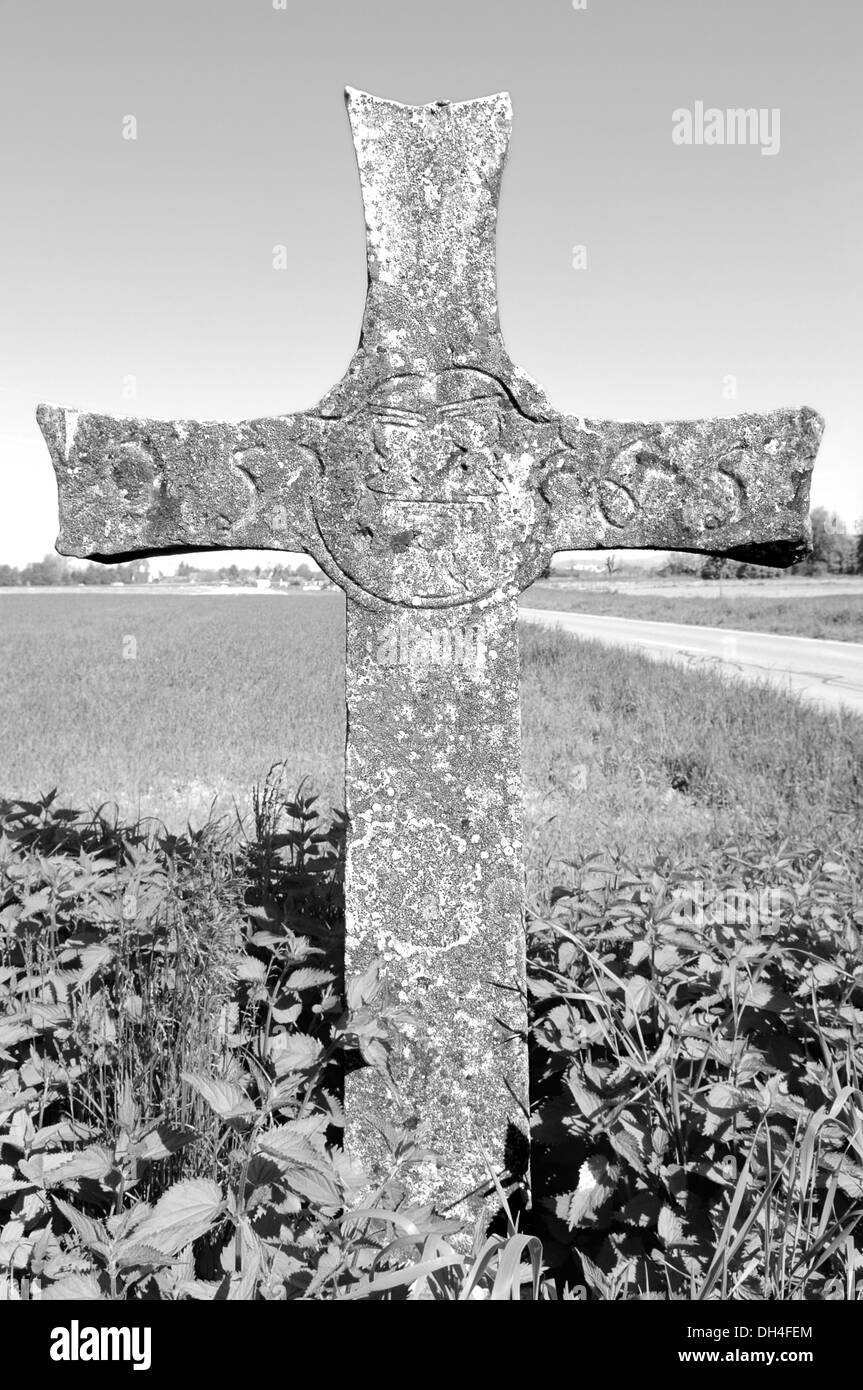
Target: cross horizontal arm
737 486
128 486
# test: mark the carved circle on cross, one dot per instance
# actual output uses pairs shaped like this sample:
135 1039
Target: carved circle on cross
429 489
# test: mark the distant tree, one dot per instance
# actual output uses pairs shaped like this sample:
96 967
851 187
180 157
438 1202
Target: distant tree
10 577
847 554
716 567
681 562
859 556
611 563
51 569
95 575
828 533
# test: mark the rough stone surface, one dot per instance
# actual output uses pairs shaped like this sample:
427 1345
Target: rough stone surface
433 483
434 887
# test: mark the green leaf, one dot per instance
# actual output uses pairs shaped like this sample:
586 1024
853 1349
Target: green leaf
133 1253
723 1096
309 979
161 1142
316 1186
185 1212
8 1182
767 997
92 959
639 995
75 1287
251 969
670 1227
288 1144
57 1169
298 1053
92 1233
363 989
55 1136
224 1097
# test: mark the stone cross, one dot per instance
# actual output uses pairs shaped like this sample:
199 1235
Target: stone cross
433 484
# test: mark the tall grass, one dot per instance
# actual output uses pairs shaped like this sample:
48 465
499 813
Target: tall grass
643 758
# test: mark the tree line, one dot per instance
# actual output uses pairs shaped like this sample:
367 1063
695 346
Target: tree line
55 569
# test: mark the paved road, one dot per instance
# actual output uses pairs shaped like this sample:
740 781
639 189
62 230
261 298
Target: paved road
829 672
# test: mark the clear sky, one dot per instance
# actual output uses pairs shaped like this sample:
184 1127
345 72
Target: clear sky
148 263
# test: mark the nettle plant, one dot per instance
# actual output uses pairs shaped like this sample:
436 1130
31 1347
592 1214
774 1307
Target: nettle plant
698 1127
173 1034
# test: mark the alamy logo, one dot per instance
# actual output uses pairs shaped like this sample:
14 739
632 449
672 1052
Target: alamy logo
737 125
419 650
76 1343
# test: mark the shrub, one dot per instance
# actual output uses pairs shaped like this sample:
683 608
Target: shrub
171 1018
174 1028
697 1069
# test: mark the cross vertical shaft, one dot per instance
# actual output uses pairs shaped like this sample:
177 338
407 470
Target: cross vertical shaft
434 888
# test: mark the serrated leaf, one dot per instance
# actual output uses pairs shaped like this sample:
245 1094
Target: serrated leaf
316 1186
10 1101
767 997
250 968
309 979
363 989
48 1016
670 1227
161 1142
224 1097
65 1132
185 1212
8 1181
269 939
724 1096
298 1052
34 903
133 1253
288 1145
92 959
597 1179
541 988
75 1287
92 1233
57 1169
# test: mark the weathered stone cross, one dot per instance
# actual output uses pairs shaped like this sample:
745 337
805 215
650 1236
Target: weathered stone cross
433 483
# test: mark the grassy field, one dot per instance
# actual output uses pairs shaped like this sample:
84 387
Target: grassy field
837 617
165 703
619 751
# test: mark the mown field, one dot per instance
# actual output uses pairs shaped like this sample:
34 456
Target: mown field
165 704
835 617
